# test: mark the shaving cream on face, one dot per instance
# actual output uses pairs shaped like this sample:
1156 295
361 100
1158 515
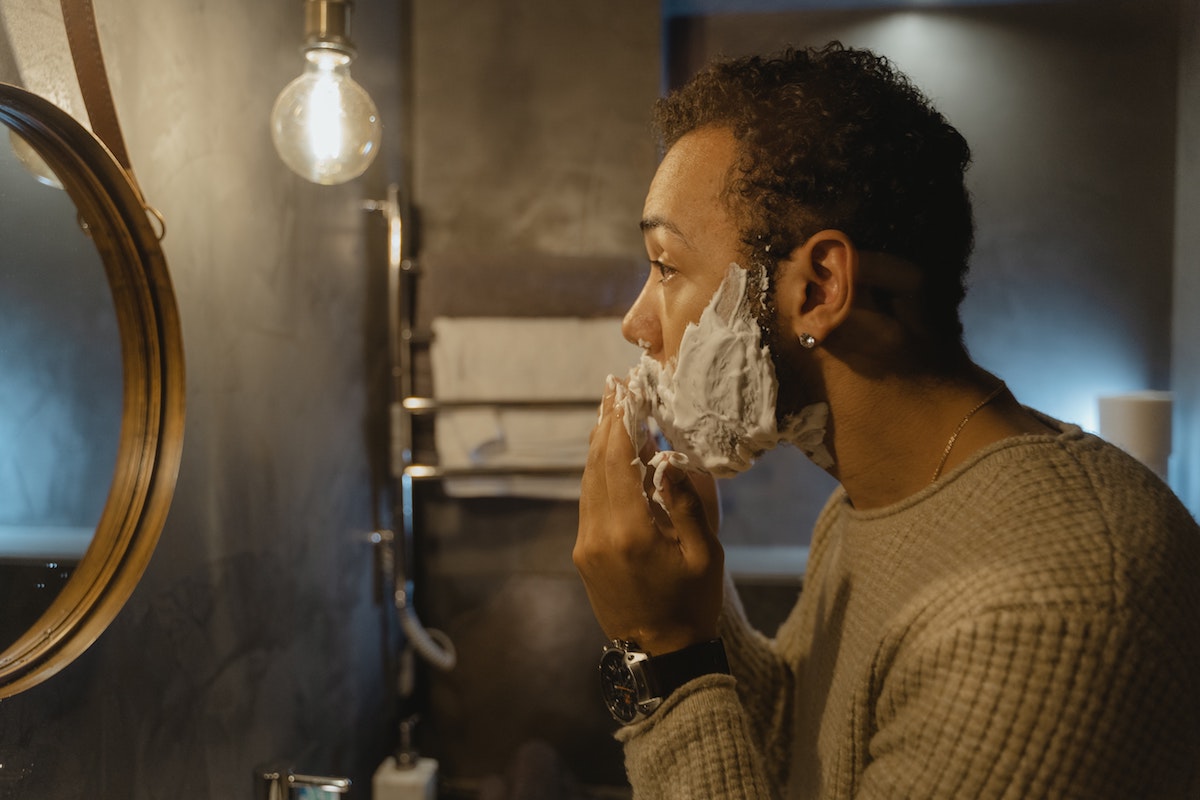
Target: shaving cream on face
715 400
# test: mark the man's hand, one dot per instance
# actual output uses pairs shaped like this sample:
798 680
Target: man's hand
653 576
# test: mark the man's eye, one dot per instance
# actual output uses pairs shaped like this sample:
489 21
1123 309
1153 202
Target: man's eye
665 273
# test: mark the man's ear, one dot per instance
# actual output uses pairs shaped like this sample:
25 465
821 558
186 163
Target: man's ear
814 287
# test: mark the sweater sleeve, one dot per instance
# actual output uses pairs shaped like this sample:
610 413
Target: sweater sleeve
765 686
1034 703
718 736
696 746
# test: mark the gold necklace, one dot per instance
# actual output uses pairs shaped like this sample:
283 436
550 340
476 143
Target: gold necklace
937 473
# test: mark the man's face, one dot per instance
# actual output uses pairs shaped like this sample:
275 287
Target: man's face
690 240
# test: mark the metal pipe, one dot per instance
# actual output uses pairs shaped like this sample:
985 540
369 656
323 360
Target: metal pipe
280 783
431 472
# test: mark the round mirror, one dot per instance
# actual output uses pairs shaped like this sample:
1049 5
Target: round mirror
60 390
91 389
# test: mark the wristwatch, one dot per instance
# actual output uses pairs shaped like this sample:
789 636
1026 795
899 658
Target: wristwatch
634 684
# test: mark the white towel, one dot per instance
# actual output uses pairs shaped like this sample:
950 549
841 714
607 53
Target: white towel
500 358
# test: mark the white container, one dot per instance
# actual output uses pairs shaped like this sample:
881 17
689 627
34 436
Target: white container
415 782
1140 424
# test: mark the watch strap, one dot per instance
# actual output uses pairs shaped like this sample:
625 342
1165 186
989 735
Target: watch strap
669 671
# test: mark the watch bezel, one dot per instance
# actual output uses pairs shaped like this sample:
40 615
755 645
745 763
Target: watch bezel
624 683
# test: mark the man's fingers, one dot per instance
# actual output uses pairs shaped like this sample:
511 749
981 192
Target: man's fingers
623 471
689 515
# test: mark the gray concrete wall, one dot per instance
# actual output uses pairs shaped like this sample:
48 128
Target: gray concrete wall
254 634
531 125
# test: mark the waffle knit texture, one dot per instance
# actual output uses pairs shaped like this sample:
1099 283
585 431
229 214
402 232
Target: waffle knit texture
1027 627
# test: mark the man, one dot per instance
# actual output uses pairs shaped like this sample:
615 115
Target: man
996 604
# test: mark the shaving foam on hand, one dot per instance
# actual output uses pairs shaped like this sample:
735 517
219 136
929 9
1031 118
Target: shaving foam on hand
659 463
635 421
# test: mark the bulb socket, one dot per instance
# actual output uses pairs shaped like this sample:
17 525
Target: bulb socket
327 25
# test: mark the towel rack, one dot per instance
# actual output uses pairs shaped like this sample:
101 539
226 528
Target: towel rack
396 557
405 406
414 406
427 405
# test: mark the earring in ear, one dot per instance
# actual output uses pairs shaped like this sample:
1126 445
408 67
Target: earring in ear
807 341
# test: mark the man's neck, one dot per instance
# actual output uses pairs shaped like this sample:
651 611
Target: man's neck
893 436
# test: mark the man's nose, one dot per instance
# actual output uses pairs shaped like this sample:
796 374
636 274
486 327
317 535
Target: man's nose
641 326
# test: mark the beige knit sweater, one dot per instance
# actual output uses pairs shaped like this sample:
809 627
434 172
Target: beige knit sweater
1028 627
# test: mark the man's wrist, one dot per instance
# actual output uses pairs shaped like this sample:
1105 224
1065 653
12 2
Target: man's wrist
634 683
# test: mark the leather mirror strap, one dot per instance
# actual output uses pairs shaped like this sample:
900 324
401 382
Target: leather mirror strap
84 41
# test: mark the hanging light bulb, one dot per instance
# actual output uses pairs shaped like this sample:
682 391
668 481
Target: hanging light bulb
324 125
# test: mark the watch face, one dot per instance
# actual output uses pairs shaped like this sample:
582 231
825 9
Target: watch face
618 686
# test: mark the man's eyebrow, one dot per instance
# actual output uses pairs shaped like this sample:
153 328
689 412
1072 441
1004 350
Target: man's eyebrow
651 223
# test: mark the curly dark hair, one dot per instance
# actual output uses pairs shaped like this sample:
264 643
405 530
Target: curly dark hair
838 138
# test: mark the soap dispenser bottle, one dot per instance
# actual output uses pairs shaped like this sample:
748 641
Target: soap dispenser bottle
406 775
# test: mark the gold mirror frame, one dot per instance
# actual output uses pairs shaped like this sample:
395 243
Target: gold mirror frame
151 437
